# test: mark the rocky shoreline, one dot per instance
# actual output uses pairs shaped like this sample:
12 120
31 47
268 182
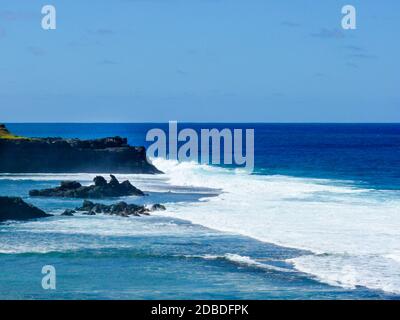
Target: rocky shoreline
14 208
57 155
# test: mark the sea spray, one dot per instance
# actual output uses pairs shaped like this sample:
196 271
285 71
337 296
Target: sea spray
344 226
205 149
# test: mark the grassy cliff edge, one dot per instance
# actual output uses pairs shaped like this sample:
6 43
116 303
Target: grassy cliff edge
5 134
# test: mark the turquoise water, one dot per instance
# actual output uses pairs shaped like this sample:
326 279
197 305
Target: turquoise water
313 223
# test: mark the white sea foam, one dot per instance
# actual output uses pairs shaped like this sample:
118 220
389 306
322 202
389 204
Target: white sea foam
352 232
241 260
19 247
105 225
54 234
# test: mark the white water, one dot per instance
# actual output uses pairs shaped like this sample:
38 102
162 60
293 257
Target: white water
60 234
353 234
241 260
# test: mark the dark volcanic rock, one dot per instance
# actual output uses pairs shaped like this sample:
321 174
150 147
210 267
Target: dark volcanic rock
56 155
121 209
101 189
157 207
90 213
69 213
86 206
69 185
13 208
100 181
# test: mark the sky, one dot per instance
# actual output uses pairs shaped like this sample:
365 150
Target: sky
199 61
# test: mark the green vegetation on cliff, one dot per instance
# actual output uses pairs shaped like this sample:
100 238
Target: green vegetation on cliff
5 134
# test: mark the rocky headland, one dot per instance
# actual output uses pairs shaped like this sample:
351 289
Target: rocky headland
101 189
57 155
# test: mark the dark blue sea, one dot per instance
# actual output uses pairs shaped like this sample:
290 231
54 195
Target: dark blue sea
319 218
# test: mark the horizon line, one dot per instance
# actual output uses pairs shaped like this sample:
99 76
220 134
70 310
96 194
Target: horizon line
198 122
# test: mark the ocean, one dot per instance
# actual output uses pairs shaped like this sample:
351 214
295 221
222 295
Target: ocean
319 218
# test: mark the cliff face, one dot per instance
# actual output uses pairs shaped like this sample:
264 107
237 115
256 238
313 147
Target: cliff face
57 155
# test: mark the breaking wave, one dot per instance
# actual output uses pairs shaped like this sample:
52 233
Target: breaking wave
351 232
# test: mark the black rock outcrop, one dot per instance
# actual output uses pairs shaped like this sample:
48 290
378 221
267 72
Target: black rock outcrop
158 207
14 208
101 189
121 209
68 213
55 155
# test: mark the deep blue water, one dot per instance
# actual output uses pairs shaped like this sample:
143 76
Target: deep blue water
367 153
165 257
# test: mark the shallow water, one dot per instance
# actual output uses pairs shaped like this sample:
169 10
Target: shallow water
107 257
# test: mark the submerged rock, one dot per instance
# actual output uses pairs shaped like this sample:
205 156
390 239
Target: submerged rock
56 155
121 209
14 208
100 189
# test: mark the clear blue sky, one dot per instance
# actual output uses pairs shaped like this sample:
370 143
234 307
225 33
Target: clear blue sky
199 60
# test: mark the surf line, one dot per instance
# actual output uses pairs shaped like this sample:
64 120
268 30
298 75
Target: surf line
187 145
